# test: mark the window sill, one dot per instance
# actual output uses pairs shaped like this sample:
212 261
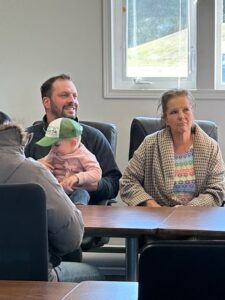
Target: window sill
155 94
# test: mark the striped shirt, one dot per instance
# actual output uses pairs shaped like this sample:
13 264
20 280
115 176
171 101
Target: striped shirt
184 177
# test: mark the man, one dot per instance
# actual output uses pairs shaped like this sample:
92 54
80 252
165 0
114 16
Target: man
60 99
65 224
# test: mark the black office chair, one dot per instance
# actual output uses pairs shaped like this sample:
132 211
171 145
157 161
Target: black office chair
108 129
23 232
110 132
142 126
182 270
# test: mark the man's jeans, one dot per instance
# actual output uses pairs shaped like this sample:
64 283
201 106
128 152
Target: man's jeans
77 272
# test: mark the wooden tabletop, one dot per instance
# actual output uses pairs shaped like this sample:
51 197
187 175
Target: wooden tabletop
104 290
34 290
163 222
194 222
118 221
87 290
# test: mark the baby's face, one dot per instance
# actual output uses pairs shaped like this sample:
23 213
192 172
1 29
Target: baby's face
66 146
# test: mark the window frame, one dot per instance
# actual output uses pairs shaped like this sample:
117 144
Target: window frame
205 83
218 45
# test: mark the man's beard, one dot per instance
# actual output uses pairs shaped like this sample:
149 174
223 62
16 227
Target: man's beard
61 113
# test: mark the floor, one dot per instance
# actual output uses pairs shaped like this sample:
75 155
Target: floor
109 259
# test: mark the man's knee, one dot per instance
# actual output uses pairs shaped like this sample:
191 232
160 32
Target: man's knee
77 272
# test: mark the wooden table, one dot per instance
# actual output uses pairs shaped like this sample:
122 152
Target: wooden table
163 222
87 290
128 222
22 290
189 221
104 290
118 221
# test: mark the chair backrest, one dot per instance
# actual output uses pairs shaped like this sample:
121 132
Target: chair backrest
182 270
143 126
23 232
108 129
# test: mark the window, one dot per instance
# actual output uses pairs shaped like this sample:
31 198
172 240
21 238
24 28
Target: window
150 46
220 45
160 42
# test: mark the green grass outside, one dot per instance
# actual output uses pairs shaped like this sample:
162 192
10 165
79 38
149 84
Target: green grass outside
168 51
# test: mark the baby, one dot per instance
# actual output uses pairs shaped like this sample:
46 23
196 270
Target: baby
82 167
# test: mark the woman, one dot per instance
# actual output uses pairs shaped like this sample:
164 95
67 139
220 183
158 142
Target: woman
178 165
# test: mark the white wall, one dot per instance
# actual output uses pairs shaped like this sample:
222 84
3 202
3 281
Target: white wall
39 39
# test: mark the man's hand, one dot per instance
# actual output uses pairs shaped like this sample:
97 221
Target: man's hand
92 187
59 170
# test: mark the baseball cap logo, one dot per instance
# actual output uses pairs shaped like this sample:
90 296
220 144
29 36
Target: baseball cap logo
52 132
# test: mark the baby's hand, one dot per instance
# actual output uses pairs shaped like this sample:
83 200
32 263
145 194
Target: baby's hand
69 183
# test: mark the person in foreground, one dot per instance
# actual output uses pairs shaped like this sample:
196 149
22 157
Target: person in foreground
82 168
65 223
178 165
59 98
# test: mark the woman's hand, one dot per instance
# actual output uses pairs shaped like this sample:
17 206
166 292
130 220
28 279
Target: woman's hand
152 203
